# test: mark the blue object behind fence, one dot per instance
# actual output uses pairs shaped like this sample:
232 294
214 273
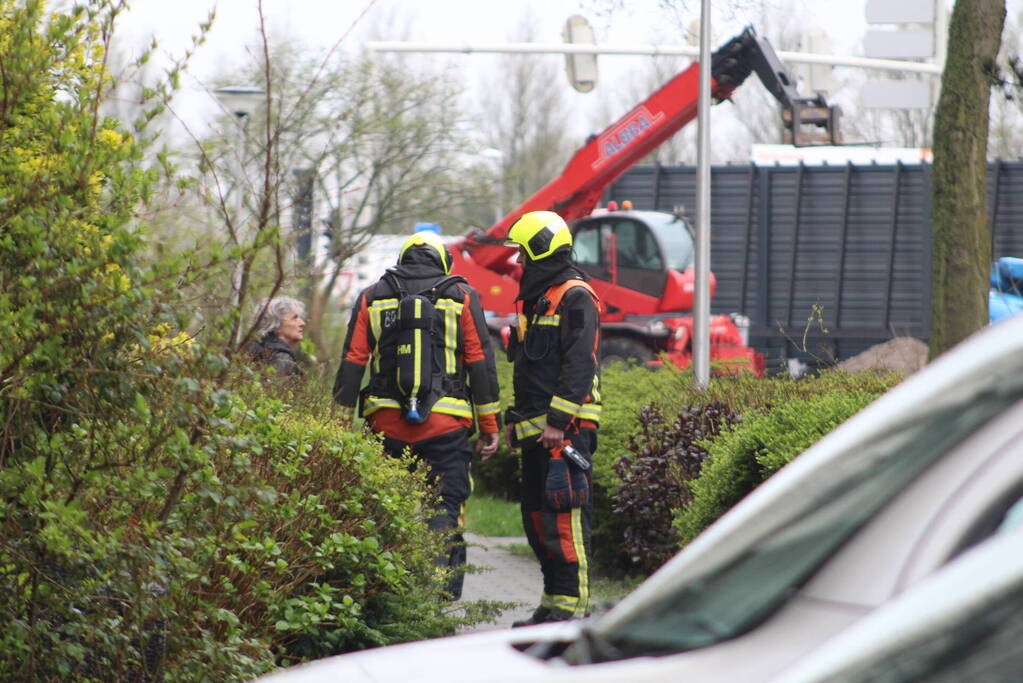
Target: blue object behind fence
1005 298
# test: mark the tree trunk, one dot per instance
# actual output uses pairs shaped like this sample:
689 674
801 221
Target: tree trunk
962 240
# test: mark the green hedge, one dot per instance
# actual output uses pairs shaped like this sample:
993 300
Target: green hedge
338 557
628 390
671 391
740 459
287 540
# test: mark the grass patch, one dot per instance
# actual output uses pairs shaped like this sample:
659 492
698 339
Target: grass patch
610 591
605 592
489 516
520 549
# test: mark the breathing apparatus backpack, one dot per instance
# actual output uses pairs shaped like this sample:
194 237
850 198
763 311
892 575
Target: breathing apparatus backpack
418 371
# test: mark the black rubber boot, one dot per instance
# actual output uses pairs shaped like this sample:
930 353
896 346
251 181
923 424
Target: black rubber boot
540 615
543 615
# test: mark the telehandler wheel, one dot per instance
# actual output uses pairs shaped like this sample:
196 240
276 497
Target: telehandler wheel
624 350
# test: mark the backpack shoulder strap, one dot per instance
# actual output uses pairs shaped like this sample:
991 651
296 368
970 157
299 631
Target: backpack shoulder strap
396 284
556 293
435 290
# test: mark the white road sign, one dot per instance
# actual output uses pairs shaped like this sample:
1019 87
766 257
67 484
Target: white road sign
900 11
899 44
891 94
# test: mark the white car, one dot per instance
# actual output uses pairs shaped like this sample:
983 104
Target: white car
881 504
965 623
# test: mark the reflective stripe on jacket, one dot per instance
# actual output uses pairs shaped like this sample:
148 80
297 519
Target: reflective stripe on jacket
468 374
555 350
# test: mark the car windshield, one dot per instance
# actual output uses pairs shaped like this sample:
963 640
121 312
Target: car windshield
730 599
981 647
674 237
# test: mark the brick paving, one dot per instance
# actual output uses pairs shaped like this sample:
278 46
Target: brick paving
503 576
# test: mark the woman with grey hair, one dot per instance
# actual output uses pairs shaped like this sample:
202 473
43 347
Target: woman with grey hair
280 329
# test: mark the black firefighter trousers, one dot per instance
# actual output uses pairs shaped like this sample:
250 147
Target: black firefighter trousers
447 460
560 540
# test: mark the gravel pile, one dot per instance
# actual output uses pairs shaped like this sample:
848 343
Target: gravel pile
904 355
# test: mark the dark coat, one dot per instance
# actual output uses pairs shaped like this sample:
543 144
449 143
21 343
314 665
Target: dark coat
557 373
272 351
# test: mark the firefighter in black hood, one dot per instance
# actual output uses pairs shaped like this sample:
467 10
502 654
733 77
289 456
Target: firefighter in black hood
432 375
556 410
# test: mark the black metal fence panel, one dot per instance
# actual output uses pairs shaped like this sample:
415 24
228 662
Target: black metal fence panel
826 261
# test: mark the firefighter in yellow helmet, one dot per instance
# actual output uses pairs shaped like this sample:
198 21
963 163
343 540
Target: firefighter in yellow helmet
556 410
433 377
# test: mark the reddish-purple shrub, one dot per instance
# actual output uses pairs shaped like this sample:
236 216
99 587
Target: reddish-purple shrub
663 458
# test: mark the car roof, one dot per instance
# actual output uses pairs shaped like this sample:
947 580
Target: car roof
967 586
994 352
637 214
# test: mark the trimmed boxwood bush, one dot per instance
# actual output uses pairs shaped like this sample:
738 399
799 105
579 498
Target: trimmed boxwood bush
742 457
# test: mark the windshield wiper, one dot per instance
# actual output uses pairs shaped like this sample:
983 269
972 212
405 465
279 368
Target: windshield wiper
694 633
591 648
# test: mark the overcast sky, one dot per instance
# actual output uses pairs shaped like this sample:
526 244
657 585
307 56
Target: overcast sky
324 24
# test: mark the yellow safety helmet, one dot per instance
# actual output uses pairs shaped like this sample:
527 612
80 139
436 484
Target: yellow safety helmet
428 239
540 233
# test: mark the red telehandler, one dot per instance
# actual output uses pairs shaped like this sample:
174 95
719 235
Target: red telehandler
641 261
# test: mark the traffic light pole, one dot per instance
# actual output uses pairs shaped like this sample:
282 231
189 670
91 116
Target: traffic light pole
701 266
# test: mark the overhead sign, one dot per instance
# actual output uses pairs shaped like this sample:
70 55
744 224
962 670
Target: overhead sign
891 94
899 44
900 12
922 40
582 69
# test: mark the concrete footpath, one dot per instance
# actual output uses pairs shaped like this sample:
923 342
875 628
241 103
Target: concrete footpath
502 576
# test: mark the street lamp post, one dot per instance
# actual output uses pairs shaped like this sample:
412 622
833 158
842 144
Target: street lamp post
701 262
240 101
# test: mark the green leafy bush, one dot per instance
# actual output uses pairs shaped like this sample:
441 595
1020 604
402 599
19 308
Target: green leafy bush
289 540
314 538
161 515
740 458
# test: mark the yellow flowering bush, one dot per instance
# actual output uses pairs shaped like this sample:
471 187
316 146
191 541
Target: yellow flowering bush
161 517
